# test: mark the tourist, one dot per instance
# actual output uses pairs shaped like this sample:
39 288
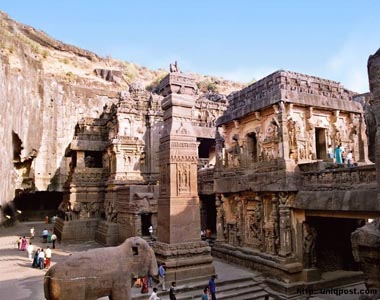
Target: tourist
53 239
144 285
30 250
41 259
47 257
32 233
172 291
154 296
24 244
50 233
205 294
35 263
45 234
18 242
151 231
330 152
161 276
212 287
338 154
349 159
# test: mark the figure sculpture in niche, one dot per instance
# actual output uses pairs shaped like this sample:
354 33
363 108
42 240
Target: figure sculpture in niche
101 272
310 236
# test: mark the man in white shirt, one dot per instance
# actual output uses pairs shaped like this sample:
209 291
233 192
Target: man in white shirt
41 259
154 296
349 159
47 257
45 234
30 250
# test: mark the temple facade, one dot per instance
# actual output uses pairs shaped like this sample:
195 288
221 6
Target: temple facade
287 198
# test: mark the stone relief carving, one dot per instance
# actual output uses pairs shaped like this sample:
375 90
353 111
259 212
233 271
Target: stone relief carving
309 253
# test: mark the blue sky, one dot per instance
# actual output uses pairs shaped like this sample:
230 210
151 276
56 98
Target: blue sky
239 40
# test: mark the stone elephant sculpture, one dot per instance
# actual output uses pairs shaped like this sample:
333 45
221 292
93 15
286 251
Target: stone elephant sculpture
101 272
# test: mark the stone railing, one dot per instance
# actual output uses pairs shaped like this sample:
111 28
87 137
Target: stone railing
363 177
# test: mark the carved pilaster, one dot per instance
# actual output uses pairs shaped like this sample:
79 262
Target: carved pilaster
285 227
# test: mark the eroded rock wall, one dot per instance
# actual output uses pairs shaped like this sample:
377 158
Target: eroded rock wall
42 111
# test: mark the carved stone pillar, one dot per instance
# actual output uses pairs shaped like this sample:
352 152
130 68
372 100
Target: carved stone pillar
220 219
179 244
285 227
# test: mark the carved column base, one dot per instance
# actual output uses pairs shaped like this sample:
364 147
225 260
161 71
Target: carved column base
185 262
107 233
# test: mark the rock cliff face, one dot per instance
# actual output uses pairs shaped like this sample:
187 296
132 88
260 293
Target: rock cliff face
46 87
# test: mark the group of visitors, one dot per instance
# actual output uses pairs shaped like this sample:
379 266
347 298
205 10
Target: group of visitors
40 258
209 292
340 155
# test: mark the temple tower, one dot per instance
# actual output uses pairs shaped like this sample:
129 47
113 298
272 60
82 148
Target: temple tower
179 245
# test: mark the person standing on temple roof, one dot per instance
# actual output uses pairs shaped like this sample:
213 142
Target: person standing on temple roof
338 154
349 159
330 152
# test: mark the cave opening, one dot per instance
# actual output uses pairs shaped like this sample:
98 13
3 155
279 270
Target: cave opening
36 206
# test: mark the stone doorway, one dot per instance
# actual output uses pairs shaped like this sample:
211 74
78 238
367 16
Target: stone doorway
208 213
333 243
206 152
252 146
320 141
146 222
36 206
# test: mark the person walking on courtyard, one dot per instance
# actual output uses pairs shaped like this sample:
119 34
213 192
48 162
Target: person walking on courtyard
212 287
172 291
53 239
144 285
205 293
19 242
41 259
30 250
24 244
45 234
154 296
47 257
35 263
32 233
161 276
338 154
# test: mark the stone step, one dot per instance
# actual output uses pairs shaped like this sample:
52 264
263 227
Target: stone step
239 289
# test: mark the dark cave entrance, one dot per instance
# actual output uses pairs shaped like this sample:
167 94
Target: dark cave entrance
333 243
36 206
208 213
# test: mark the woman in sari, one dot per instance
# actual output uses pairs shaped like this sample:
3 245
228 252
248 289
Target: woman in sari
144 285
24 243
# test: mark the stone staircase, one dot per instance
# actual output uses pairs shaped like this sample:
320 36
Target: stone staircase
245 288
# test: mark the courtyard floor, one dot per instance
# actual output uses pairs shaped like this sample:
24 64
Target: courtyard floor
18 280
